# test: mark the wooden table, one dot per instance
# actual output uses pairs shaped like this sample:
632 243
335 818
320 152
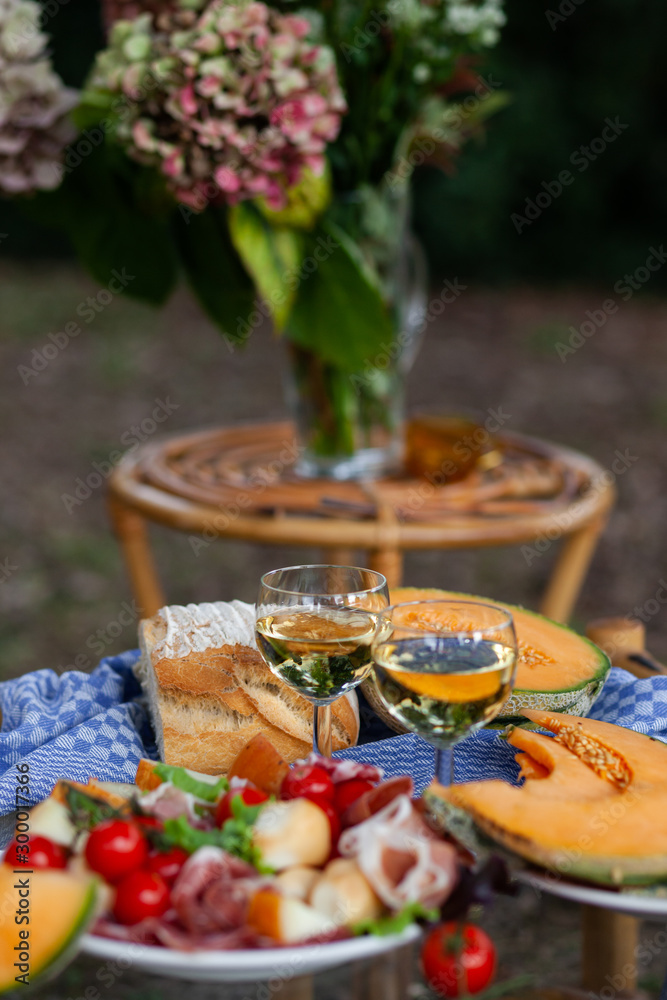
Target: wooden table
204 484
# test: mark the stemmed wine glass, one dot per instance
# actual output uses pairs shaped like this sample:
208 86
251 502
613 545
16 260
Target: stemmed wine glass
444 669
314 628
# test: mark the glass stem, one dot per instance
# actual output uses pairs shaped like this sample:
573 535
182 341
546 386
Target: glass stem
444 765
322 730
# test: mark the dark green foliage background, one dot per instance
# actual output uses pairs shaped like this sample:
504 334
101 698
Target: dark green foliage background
605 59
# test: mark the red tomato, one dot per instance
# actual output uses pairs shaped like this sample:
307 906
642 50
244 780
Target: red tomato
40 853
167 864
347 792
307 781
458 959
139 895
251 796
333 817
115 848
148 822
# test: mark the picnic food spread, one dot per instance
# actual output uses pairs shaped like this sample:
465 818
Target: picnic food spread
193 861
592 805
558 670
253 851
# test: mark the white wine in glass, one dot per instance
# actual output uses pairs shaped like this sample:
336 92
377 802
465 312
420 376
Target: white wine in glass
444 669
314 628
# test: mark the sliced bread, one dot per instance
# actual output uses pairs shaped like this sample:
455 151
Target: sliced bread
209 690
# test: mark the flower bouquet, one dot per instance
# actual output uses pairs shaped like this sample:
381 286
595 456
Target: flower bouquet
266 151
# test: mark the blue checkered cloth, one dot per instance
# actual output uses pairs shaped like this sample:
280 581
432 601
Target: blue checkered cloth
76 725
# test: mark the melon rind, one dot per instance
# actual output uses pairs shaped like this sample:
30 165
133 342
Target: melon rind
65 941
574 700
482 837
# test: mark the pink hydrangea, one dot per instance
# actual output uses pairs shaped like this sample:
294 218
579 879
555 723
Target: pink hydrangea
233 96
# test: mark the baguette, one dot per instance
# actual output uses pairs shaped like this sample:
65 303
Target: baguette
209 691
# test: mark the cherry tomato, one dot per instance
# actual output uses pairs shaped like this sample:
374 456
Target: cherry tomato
251 797
148 822
115 848
458 959
40 853
139 895
307 781
347 792
167 864
334 820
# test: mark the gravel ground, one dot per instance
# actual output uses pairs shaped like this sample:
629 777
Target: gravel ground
63 591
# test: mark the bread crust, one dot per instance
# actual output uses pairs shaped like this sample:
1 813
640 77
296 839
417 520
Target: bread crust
208 703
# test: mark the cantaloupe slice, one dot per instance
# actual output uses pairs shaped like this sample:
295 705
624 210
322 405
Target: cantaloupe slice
598 814
52 908
286 919
558 670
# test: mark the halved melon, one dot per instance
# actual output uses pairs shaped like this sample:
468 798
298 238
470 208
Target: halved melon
593 805
558 670
59 906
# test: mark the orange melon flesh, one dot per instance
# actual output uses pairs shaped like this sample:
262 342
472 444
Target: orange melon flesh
557 669
449 687
61 906
597 814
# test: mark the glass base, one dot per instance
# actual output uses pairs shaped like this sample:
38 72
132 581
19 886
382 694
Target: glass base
367 463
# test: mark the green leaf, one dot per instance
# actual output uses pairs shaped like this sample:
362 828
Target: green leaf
179 777
86 811
272 256
338 312
235 837
116 214
214 270
396 923
306 201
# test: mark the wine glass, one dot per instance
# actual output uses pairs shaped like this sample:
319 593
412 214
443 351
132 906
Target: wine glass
444 669
314 628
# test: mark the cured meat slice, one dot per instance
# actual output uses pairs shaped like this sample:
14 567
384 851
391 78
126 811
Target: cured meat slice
173 937
375 799
345 770
168 802
212 890
402 858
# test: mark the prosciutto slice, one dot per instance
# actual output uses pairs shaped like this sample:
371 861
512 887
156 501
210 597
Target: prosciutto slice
375 800
402 858
211 892
168 802
166 931
345 770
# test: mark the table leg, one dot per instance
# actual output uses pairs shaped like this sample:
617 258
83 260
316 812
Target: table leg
387 977
299 989
389 562
569 572
132 534
338 556
609 950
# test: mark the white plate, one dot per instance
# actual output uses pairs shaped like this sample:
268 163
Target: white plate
282 964
636 903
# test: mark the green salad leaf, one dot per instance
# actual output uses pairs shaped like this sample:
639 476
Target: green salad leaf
396 923
87 811
235 836
179 777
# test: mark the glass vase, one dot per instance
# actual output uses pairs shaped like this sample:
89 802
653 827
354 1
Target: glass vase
350 424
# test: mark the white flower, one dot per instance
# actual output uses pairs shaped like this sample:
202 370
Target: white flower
421 73
34 104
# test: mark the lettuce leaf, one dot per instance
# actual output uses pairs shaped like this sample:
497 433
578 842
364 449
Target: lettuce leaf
179 777
396 923
235 836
